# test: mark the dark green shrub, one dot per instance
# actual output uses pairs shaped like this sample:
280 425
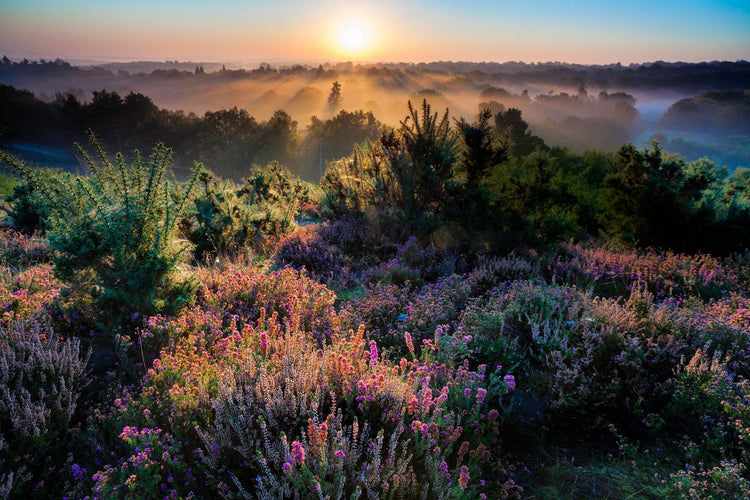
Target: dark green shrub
30 209
226 219
112 234
220 222
405 175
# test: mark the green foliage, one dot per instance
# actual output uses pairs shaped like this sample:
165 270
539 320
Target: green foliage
515 132
656 199
406 174
229 220
7 185
112 233
482 151
220 223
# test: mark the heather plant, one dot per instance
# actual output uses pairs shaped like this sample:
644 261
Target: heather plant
388 311
711 406
261 439
306 249
728 479
22 250
436 304
718 326
665 273
339 253
41 377
489 272
427 261
520 323
382 310
618 358
154 468
26 294
287 292
276 410
113 233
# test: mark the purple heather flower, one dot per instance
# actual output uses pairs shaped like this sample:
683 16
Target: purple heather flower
298 452
481 393
443 467
463 478
79 473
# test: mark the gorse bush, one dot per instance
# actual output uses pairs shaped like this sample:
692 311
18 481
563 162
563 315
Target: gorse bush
220 224
30 209
112 233
405 175
227 220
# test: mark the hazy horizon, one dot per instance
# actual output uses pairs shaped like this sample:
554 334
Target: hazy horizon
86 61
369 32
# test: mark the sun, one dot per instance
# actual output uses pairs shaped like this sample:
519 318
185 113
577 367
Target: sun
353 38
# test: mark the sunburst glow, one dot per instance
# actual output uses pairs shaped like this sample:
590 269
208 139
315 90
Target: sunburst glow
353 38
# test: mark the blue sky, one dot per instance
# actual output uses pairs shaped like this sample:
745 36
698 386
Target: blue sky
472 30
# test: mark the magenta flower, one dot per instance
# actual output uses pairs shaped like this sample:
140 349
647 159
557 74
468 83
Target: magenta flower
463 477
443 467
298 452
481 393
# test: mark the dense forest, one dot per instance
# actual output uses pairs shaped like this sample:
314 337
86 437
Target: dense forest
456 308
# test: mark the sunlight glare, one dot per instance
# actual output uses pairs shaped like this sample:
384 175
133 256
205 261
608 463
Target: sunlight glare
353 37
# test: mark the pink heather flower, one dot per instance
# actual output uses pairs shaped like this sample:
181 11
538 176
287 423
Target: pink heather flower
373 353
415 425
481 393
263 341
463 477
128 432
492 415
409 342
298 452
340 453
287 468
510 381
467 392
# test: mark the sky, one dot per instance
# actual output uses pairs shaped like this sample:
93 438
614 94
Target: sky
594 32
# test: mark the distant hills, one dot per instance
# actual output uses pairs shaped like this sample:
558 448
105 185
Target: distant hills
710 112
